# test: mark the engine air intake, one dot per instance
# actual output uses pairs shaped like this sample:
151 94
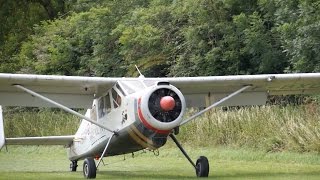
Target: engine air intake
164 105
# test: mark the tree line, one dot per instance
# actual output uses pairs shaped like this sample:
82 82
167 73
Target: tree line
161 37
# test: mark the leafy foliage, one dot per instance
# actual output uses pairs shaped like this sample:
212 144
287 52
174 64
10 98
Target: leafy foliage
68 46
164 38
17 20
300 34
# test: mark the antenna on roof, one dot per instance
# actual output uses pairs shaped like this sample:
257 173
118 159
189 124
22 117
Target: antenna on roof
141 75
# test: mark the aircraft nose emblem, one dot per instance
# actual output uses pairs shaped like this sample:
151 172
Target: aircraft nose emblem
167 103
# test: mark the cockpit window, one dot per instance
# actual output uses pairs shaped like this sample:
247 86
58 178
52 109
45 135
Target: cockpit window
149 83
127 88
104 106
132 86
120 89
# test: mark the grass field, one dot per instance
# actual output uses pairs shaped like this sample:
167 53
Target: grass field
267 142
33 162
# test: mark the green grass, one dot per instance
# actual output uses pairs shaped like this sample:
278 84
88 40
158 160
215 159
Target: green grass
267 142
32 162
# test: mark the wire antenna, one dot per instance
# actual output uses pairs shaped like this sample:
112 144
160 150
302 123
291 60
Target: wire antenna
141 75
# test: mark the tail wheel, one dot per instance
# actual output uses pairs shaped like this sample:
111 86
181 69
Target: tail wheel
202 167
89 168
73 166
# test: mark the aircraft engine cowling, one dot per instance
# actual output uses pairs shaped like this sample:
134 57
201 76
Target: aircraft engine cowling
162 108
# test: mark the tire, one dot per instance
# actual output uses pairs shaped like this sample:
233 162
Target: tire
73 169
202 167
73 166
89 168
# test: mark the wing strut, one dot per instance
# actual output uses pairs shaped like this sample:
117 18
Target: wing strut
64 107
216 104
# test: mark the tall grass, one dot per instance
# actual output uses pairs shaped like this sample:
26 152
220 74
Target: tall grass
38 122
269 128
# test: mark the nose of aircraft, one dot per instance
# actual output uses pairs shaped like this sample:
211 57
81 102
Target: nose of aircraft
167 103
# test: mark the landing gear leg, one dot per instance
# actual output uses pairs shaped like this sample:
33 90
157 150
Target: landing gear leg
202 164
73 166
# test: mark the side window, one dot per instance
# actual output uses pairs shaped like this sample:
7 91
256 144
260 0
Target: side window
101 108
116 98
104 105
120 89
107 104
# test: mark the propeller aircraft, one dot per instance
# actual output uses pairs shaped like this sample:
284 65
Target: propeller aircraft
125 115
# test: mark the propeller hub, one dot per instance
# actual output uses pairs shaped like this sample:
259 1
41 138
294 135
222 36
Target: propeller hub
167 103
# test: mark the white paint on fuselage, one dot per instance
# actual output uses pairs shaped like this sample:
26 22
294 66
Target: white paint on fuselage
91 139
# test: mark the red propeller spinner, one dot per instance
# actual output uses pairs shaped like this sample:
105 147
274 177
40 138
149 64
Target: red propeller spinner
167 103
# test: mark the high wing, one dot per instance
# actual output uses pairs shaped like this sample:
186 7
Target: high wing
203 91
78 92
72 91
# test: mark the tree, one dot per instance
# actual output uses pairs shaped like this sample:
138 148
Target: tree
299 28
80 44
162 37
17 19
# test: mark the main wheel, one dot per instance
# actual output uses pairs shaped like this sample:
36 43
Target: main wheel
89 168
202 167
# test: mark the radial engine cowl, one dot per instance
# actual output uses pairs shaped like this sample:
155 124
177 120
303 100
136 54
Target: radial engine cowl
162 107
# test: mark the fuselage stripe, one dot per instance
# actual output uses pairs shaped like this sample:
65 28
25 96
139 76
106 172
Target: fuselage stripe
142 136
138 140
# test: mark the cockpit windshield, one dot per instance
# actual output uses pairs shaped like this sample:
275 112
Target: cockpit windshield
133 86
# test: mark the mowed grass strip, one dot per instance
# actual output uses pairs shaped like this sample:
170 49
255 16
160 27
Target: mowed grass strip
42 162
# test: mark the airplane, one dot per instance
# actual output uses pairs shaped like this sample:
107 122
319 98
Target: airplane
125 115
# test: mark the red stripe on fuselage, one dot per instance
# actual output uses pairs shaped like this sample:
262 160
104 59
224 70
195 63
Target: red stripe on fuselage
145 122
